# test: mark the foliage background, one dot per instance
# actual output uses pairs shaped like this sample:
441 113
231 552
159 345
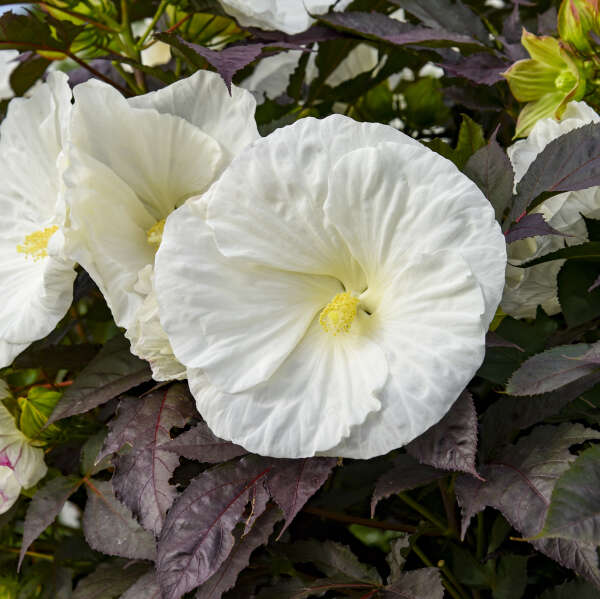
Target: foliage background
500 500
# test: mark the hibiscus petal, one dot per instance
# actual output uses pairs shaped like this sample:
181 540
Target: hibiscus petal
10 489
237 321
327 385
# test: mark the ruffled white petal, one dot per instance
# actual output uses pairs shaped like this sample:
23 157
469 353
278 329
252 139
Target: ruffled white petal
26 462
237 321
203 101
361 59
290 16
271 76
148 338
10 489
36 294
394 201
428 323
327 386
7 66
278 220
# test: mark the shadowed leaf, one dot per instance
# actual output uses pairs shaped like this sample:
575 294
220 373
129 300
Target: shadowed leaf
451 444
574 511
575 589
568 163
424 583
198 533
112 372
292 483
586 251
109 526
141 479
199 443
482 68
145 587
492 339
551 370
226 576
530 226
44 507
110 580
405 474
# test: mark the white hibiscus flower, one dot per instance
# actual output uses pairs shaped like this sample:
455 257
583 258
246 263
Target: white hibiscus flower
36 282
21 465
526 288
289 16
131 163
338 305
8 64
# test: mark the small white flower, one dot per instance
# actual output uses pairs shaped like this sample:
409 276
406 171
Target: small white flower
21 465
131 163
526 288
289 16
8 64
339 304
36 282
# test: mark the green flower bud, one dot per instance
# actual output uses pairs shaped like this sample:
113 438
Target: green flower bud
576 19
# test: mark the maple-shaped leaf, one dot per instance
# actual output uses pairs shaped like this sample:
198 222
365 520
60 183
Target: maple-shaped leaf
292 483
519 482
110 527
141 478
451 444
425 583
197 536
531 225
113 371
405 474
199 443
145 587
109 580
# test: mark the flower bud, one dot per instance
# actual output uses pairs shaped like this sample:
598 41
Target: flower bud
576 19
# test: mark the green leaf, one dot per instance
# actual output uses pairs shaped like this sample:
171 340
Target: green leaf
574 589
35 411
470 139
574 511
511 577
27 73
578 304
593 228
425 103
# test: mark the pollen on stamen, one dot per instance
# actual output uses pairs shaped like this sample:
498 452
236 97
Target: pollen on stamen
35 244
155 233
338 314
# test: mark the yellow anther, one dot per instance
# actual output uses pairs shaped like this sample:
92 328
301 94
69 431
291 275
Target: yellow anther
339 313
35 244
155 233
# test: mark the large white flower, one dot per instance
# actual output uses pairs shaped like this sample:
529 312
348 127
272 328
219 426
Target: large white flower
330 294
21 465
526 288
36 282
290 16
8 64
131 163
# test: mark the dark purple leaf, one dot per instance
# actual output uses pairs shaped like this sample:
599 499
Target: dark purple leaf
112 372
574 589
109 580
379 27
405 474
425 583
239 558
551 370
109 526
451 444
333 559
574 511
481 68
141 478
198 533
44 507
568 163
492 339
146 587
292 483
519 482
199 443
547 22
511 414
317 33
530 226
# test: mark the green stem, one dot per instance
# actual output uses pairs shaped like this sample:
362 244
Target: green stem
424 512
447 584
157 15
128 78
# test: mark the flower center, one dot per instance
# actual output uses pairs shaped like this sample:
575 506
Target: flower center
35 244
565 81
155 233
338 314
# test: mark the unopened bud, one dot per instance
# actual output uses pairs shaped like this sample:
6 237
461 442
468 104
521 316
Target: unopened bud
576 19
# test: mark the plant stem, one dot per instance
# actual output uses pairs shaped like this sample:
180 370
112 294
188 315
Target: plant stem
157 15
448 500
447 584
424 512
49 558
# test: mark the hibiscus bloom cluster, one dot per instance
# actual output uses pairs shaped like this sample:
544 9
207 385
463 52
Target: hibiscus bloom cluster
326 290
